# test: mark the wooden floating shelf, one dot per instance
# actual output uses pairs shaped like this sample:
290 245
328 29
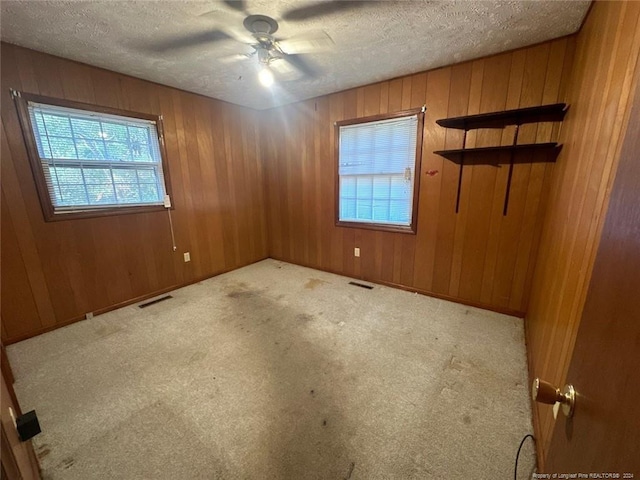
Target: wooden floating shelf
511 154
544 152
519 116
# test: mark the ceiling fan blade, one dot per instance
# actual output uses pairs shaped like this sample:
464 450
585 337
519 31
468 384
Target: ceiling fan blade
238 5
301 65
323 8
309 42
285 71
188 41
230 21
235 58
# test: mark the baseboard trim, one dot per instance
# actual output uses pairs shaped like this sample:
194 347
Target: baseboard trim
125 303
100 311
493 308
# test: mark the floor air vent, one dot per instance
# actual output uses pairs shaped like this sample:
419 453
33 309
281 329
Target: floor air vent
153 302
361 285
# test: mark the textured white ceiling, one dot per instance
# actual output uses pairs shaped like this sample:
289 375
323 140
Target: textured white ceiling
378 41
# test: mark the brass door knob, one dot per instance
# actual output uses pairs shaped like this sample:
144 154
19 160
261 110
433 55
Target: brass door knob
544 392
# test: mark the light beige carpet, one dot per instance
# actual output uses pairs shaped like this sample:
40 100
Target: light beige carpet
279 371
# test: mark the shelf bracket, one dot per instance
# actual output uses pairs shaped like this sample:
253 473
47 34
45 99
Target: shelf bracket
511 162
464 145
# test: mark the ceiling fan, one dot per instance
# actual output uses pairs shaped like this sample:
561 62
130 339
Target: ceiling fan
284 56
280 54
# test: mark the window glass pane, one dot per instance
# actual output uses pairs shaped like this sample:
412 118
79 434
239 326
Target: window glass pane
149 192
68 176
114 132
91 150
141 152
381 210
62 147
58 197
56 125
147 176
400 188
122 175
86 129
348 209
43 142
127 193
138 135
364 187
118 151
400 211
97 175
364 209
101 194
348 187
72 195
381 187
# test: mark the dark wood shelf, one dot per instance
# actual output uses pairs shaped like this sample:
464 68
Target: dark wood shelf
528 153
519 116
510 154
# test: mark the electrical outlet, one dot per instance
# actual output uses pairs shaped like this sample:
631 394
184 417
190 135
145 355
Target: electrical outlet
187 257
356 252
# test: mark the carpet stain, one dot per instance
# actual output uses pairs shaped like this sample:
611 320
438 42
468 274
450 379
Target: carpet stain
106 330
313 283
466 419
242 294
304 318
350 472
263 321
197 356
43 452
456 364
324 423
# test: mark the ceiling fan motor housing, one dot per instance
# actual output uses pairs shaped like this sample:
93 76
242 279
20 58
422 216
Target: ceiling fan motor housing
260 24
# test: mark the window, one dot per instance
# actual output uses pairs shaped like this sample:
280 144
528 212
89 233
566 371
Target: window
378 158
89 160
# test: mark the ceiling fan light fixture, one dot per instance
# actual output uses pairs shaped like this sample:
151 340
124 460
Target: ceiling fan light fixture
266 77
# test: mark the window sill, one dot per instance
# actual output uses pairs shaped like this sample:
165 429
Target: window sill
107 212
409 229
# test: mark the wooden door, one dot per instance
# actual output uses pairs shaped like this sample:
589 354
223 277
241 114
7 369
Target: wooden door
18 458
604 434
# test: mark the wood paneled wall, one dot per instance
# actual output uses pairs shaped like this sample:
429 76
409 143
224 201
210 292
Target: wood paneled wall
477 256
599 91
54 273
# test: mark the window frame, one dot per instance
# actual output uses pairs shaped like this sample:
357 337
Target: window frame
22 100
412 228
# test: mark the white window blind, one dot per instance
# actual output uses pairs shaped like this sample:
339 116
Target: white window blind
377 168
94 160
